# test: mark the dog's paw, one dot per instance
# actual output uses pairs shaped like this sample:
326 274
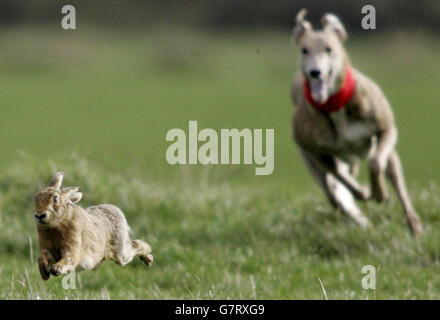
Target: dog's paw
415 224
364 193
380 195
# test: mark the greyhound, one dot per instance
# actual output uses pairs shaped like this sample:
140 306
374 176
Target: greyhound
341 118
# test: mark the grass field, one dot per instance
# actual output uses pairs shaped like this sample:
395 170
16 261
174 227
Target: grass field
97 105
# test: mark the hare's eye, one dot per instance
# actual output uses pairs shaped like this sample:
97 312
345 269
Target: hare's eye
328 49
305 51
55 199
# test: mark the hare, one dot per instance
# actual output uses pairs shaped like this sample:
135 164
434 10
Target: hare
73 238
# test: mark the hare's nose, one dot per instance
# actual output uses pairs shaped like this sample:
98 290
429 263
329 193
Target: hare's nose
40 216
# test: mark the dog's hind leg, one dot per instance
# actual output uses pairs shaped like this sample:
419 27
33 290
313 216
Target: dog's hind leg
395 174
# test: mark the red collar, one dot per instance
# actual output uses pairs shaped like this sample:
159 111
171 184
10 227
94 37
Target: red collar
338 100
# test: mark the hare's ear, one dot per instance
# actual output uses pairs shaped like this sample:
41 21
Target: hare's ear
301 26
74 194
57 180
75 197
332 23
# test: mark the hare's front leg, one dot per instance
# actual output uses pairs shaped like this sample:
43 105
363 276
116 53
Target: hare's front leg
43 264
67 263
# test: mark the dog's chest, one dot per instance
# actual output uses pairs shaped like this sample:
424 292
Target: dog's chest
352 135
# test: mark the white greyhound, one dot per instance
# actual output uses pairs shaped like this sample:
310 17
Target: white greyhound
342 117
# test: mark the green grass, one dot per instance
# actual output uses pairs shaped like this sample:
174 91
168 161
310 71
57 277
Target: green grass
221 241
217 231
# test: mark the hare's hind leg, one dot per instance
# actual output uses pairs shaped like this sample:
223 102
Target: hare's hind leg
130 248
143 249
123 249
124 253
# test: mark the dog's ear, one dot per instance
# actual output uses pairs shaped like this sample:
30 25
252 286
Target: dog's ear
301 25
332 23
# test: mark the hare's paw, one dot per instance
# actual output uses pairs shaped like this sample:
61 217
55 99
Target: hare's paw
59 269
56 269
44 271
147 259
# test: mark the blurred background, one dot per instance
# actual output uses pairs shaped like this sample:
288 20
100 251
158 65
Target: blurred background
97 102
131 71
226 14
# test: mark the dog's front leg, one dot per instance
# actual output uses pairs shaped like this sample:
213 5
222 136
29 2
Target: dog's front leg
342 172
338 194
379 162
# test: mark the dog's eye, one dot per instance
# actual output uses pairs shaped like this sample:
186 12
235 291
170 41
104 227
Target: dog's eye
55 199
328 49
305 51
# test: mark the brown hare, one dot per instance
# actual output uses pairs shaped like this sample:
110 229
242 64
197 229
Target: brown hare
73 238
